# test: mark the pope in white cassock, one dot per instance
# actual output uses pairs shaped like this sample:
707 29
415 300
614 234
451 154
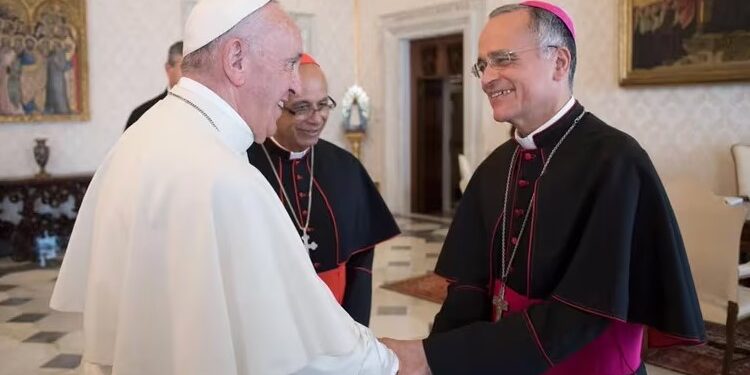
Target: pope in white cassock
183 260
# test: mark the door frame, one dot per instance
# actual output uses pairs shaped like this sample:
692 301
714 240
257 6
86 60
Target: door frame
465 17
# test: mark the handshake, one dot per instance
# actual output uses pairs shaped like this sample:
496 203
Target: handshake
411 356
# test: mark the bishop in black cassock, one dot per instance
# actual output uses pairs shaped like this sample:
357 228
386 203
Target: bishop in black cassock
347 216
564 250
600 258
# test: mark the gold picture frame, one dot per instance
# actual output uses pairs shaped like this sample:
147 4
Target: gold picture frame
684 41
43 61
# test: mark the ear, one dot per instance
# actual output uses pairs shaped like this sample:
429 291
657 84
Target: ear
235 61
562 61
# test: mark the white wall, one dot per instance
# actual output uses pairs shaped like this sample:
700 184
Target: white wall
687 130
128 42
373 81
333 48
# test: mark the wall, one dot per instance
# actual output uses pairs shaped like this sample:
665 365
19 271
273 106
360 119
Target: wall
333 48
372 71
686 129
127 48
128 41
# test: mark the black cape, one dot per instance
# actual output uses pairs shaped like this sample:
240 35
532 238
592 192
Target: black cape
601 237
141 109
349 217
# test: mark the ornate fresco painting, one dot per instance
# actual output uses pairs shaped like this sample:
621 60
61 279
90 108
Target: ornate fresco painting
43 61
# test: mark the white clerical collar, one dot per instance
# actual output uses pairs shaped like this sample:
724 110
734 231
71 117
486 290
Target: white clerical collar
233 130
527 142
293 155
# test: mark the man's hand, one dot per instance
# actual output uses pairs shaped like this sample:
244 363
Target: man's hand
411 357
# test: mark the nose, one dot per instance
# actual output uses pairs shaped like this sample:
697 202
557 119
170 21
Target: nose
488 77
318 118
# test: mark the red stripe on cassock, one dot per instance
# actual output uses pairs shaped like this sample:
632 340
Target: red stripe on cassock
333 219
660 339
302 221
530 326
588 309
371 247
362 250
492 261
363 270
509 243
532 232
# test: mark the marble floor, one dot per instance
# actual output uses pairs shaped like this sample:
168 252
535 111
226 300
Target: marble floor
35 340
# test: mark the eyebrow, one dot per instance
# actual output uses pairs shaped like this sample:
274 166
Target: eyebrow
496 53
308 102
500 52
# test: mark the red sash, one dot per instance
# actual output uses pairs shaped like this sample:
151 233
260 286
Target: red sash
336 281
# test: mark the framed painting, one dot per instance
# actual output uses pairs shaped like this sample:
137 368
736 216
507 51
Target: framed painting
684 41
43 61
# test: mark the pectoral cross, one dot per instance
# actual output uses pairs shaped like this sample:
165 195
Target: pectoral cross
501 305
310 246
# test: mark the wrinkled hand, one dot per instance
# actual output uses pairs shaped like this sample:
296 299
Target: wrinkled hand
411 356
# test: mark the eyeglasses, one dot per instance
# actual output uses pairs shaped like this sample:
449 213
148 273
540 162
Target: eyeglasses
500 59
303 110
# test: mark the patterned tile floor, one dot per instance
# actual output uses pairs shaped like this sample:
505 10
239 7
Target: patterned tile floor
35 340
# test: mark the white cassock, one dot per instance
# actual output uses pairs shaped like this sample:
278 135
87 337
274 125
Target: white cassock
183 260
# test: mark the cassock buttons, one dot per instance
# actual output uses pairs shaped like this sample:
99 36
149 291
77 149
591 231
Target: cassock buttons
514 240
518 212
299 177
304 212
529 156
523 183
302 195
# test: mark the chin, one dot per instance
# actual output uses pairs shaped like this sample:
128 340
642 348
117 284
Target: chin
301 143
501 117
502 114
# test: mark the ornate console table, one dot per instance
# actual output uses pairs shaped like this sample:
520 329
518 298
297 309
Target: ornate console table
29 207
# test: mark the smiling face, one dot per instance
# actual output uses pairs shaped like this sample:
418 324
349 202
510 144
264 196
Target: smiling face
298 132
520 92
273 73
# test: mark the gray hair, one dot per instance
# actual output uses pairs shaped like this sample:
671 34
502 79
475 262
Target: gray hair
175 52
549 29
205 56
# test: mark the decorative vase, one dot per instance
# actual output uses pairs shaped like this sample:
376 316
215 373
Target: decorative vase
41 155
